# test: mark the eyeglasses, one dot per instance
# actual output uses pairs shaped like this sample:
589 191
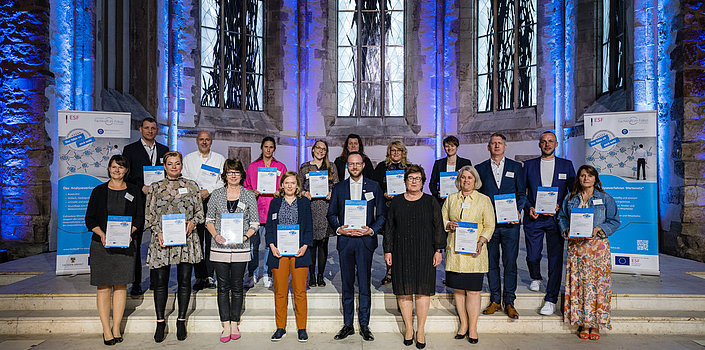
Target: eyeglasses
233 173
356 164
414 178
394 150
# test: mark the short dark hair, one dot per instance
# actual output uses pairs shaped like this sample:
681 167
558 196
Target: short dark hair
641 146
504 138
415 168
121 161
265 139
148 119
353 153
451 140
233 164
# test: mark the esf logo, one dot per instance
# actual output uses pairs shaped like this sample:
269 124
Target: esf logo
71 117
595 120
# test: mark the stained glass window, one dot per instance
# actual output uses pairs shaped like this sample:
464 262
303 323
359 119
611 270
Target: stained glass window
232 37
370 58
506 54
612 45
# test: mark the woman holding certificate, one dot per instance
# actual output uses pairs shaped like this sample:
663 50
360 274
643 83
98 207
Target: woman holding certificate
413 240
289 233
469 218
445 170
114 213
318 177
173 210
231 221
588 289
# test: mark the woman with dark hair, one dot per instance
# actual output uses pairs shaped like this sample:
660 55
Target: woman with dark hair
451 163
319 207
588 286
353 143
172 195
265 160
112 268
230 260
413 240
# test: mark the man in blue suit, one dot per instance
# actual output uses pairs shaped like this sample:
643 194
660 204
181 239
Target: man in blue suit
356 246
500 175
546 171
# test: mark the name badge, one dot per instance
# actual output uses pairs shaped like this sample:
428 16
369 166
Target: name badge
279 173
510 174
183 190
240 205
129 197
369 196
465 205
597 201
562 176
274 216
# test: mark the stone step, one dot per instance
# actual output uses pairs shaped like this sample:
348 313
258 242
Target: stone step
329 321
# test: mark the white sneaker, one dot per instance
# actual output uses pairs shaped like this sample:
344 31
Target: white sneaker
267 281
548 308
535 286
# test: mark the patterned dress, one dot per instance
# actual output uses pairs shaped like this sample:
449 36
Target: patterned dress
588 286
319 206
164 198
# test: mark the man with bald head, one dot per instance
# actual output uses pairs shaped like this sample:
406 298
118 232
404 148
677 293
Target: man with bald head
204 167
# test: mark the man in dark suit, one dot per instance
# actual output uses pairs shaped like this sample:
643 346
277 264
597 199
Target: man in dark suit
356 246
500 175
144 152
546 171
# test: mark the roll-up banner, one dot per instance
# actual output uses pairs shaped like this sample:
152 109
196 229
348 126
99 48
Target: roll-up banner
622 146
87 140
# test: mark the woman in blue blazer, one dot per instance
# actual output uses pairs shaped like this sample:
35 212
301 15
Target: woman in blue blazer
288 208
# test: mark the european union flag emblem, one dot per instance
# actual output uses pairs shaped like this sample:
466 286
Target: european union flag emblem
621 260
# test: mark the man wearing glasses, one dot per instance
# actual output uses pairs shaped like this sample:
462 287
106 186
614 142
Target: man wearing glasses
356 246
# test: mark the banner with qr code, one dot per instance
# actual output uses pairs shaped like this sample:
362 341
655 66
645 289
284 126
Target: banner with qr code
623 148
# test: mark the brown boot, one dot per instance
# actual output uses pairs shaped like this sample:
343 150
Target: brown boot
492 308
511 311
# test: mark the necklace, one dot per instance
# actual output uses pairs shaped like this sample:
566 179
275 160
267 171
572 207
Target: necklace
231 208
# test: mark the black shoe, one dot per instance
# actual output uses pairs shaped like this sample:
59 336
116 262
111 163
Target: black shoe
303 336
408 342
461 336
200 284
366 333
109 342
136 290
321 282
386 280
160 333
181 329
344 332
311 281
210 283
118 339
420 345
473 340
278 334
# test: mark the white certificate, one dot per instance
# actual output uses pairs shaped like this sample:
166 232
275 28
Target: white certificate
267 180
395 182
505 207
546 200
231 227
581 222
174 229
288 239
448 183
117 231
152 174
318 183
355 214
208 176
466 238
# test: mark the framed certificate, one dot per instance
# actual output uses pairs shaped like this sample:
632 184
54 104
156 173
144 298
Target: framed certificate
466 238
174 229
152 174
208 176
267 180
581 220
318 183
288 239
448 183
546 200
355 214
117 231
395 182
231 227
505 207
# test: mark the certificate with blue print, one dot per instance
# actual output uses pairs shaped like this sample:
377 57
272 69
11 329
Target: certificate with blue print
546 200
355 214
208 176
448 183
505 207
174 229
395 182
288 239
267 180
318 183
231 227
117 231
581 220
152 174
466 238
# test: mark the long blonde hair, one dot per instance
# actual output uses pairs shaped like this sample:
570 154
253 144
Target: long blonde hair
404 152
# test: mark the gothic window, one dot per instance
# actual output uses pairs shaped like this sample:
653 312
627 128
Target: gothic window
370 58
232 37
612 46
506 54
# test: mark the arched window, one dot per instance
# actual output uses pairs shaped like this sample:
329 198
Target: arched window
232 38
611 54
370 58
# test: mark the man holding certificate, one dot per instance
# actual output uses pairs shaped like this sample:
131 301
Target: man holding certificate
548 180
289 234
503 181
357 240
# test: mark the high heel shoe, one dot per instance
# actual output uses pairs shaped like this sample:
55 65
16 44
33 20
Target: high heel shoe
409 342
235 336
159 333
224 338
419 345
462 336
181 329
109 342
118 339
473 340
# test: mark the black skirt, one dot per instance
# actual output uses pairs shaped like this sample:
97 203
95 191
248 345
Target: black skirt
466 281
111 266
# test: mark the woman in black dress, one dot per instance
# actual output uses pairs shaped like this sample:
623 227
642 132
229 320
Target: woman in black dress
413 240
112 268
353 143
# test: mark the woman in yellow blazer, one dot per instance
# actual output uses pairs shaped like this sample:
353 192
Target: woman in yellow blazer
464 272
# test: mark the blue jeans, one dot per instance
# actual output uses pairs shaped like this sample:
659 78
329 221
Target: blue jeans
253 265
506 237
534 232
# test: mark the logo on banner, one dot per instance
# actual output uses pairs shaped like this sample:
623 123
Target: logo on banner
603 140
621 260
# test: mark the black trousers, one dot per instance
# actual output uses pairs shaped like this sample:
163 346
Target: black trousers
230 298
319 252
641 165
137 239
160 286
204 268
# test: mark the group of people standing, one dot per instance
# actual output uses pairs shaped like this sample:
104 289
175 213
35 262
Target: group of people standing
418 232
